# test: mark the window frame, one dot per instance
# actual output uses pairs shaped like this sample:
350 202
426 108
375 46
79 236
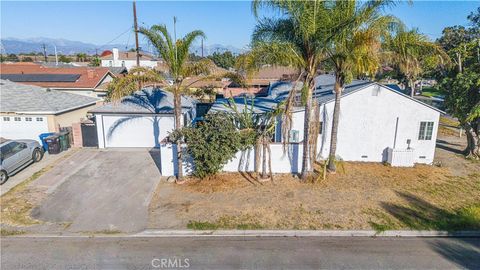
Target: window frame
425 130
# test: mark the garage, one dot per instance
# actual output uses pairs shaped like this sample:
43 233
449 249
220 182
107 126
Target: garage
23 127
26 111
143 119
133 130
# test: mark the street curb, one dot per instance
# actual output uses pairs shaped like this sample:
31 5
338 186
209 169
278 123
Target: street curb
258 233
304 233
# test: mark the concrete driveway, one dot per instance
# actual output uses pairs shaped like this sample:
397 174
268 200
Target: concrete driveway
100 190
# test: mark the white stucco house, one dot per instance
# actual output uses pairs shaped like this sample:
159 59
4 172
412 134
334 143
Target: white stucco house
143 119
374 121
127 59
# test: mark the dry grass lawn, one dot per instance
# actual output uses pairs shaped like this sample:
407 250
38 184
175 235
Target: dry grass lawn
359 196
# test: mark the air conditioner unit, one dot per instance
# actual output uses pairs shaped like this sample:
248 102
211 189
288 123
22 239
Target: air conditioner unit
401 157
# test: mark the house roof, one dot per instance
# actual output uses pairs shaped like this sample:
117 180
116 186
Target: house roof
323 93
21 98
128 56
146 101
89 77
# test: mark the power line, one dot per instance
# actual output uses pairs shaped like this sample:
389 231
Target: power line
117 37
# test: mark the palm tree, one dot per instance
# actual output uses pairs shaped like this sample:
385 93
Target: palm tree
175 54
354 49
297 39
407 50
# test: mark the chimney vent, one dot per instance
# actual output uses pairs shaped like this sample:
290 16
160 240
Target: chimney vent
90 73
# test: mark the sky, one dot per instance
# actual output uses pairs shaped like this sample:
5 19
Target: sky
224 22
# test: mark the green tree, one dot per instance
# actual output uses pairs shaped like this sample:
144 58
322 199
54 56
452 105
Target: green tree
95 62
295 38
309 35
463 102
462 84
408 51
64 59
81 57
354 50
175 53
225 60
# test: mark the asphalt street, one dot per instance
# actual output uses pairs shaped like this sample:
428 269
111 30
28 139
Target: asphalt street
239 253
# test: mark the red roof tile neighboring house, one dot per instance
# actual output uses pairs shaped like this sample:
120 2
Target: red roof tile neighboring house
90 79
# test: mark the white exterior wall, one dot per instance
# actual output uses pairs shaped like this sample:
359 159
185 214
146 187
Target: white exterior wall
23 129
367 126
128 63
132 130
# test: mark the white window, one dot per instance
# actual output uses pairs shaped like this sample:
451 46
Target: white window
28 119
17 119
294 136
320 128
39 119
123 63
6 118
110 63
426 131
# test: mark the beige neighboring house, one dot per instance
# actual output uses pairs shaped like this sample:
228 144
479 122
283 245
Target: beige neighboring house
28 111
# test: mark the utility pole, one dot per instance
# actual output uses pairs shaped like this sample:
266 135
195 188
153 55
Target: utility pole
45 52
135 26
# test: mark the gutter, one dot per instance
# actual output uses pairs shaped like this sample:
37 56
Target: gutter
54 112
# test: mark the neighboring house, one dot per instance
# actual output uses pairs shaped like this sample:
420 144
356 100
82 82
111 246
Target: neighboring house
27 111
126 59
143 119
373 118
259 83
87 81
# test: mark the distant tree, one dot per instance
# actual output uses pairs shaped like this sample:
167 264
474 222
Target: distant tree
27 59
194 57
132 50
12 58
95 62
81 57
408 51
225 60
64 59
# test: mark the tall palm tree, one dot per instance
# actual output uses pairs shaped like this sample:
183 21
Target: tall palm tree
407 50
175 54
354 49
295 38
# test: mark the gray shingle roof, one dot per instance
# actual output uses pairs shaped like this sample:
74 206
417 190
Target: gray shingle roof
279 91
147 101
20 98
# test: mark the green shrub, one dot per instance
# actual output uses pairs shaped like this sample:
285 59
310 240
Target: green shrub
211 143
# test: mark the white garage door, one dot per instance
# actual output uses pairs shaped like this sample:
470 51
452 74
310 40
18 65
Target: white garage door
133 130
23 127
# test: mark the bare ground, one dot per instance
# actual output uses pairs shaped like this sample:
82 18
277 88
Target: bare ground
359 196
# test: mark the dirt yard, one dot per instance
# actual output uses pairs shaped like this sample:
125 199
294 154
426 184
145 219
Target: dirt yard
359 196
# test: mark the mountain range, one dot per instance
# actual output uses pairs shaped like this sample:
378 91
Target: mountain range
69 47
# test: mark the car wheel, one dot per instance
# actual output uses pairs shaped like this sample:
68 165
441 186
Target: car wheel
37 155
3 177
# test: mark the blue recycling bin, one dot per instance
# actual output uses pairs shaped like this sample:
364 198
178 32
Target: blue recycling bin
42 138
